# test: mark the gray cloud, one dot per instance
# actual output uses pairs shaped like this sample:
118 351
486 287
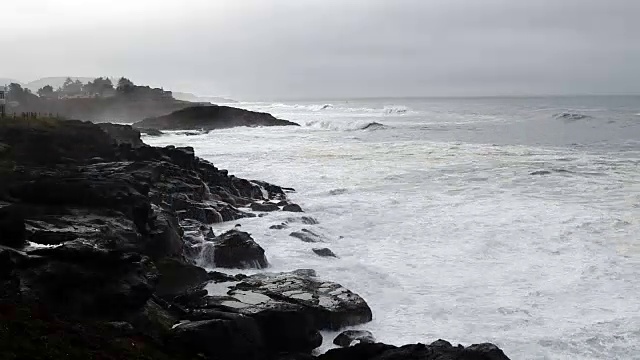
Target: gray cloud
331 48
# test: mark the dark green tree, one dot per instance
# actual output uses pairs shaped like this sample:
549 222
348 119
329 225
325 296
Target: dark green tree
46 92
99 86
72 88
20 95
125 86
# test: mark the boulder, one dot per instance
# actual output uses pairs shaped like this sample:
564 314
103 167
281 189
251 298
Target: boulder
237 250
324 252
292 208
329 305
346 338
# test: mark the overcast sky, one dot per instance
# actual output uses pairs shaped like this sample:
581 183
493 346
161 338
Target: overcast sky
331 48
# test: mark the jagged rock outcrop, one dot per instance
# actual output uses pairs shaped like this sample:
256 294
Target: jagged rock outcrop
289 308
211 118
329 305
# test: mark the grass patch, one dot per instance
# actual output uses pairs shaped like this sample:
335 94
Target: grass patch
30 122
34 334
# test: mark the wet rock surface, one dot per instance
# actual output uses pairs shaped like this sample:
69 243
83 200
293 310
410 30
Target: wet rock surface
329 305
324 252
307 236
236 249
100 241
439 350
347 338
292 208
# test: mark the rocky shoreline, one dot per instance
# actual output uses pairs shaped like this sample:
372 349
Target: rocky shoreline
101 238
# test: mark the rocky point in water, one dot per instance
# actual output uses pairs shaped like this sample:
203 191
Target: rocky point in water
211 118
100 235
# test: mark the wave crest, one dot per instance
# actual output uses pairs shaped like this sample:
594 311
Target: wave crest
393 109
345 126
311 107
570 116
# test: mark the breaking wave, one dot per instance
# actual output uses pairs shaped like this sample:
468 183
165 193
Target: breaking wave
345 126
395 109
569 116
341 108
313 107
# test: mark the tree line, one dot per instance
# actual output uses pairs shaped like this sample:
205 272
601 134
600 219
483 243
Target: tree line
101 87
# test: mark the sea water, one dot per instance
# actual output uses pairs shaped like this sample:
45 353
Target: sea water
507 220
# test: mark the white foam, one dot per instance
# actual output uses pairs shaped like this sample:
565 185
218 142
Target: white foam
456 240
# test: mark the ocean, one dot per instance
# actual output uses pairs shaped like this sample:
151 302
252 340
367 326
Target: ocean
507 220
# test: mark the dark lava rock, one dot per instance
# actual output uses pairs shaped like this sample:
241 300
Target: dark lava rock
307 236
267 207
210 118
279 227
237 250
120 327
328 305
222 339
289 356
85 280
122 134
346 338
305 272
359 352
12 227
292 208
324 252
177 276
439 350
127 222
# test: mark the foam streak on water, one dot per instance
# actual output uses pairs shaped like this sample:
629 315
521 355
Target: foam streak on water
439 225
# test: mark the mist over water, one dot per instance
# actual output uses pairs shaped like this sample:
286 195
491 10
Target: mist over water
510 220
